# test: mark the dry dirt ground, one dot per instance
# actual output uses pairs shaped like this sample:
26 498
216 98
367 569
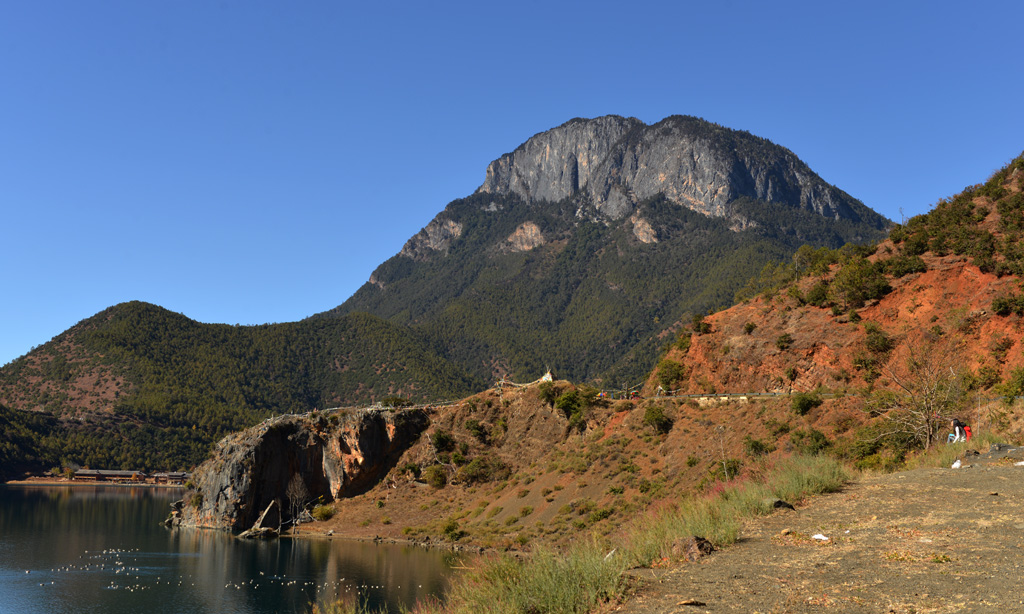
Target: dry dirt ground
929 540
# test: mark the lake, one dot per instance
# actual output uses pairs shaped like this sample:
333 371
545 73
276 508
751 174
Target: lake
102 549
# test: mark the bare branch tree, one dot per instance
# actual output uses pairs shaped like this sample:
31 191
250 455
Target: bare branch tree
927 391
298 495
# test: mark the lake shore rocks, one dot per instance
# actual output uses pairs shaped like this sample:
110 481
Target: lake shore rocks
293 461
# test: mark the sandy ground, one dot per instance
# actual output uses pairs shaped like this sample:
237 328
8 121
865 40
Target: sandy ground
930 540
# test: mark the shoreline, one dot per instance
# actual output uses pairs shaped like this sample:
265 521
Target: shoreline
65 482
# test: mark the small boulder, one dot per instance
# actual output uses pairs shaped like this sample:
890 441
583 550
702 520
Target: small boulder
691 548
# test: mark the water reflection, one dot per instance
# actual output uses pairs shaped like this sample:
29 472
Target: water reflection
101 549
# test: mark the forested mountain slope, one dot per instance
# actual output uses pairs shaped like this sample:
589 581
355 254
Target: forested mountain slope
591 239
139 386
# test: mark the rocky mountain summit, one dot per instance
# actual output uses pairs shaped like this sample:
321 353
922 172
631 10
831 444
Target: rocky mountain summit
588 240
612 163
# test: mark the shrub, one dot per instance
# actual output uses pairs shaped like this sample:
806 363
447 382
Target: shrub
701 327
548 392
784 341
442 441
809 442
749 327
670 372
804 402
411 468
452 531
569 402
483 469
856 282
436 476
1007 304
654 417
877 341
582 506
323 512
904 265
756 447
721 471
818 294
476 430
776 428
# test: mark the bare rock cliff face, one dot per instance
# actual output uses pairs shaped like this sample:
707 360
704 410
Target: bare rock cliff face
336 456
613 163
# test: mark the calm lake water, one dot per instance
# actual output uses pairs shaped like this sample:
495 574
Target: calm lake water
101 549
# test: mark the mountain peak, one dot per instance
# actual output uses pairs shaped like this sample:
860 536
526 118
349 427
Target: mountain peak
612 163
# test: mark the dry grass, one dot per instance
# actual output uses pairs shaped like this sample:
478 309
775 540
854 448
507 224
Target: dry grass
592 572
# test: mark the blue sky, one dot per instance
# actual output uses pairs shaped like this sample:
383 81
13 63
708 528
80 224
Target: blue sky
252 162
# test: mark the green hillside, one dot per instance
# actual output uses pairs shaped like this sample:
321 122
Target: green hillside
141 387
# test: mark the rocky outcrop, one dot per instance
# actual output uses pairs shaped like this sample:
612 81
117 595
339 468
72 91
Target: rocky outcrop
643 230
528 236
335 455
613 163
436 237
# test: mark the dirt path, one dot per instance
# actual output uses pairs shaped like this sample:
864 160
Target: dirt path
930 540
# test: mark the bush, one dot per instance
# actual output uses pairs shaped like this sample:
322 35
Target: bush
818 294
670 372
900 266
1007 304
856 282
804 402
654 417
548 392
877 341
483 469
476 430
442 441
452 531
323 512
756 447
569 402
701 327
784 341
436 476
809 442
749 327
